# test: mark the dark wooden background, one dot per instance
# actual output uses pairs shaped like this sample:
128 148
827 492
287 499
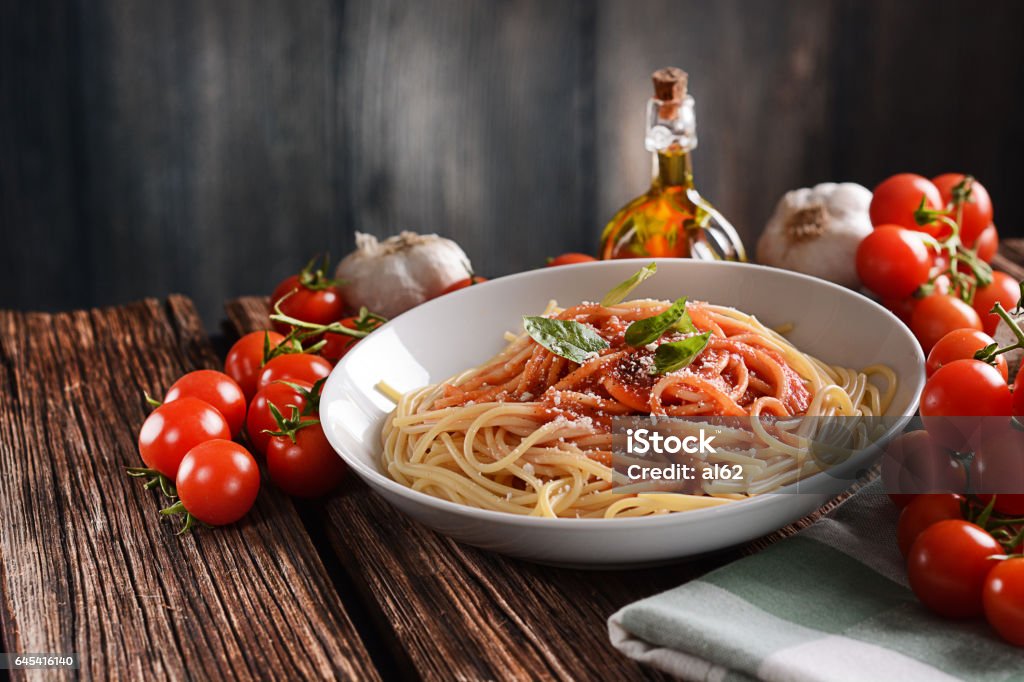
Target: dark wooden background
209 148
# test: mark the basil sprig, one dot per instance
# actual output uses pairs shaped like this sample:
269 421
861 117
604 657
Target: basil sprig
643 332
566 338
678 354
622 290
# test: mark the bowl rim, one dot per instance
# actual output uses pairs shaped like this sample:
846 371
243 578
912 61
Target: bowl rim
376 478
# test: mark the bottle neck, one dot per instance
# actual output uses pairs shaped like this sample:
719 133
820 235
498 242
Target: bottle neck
672 136
672 168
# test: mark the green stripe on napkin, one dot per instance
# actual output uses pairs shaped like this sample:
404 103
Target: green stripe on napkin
851 593
827 605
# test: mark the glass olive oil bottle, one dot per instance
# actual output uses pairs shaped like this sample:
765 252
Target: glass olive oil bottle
671 219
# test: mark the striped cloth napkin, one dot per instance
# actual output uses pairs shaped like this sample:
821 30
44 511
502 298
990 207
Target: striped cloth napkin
829 604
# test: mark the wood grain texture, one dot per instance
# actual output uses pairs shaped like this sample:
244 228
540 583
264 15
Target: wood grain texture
887 55
1010 258
213 147
461 613
223 143
39 171
87 565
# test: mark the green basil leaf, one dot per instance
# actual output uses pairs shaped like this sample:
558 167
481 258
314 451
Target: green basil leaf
685 324
678 354
649 329
566 338
622 290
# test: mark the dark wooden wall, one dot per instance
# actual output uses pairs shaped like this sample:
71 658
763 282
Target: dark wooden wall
211 147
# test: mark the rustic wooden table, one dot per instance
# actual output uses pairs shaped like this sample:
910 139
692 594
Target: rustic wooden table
347 588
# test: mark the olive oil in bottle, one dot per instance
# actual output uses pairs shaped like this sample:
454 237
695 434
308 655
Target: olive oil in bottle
671 219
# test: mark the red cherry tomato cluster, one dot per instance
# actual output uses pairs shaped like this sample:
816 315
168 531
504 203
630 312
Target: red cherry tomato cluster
311 309
968 385
967 377
927 259
267 397
310 296
186 443
962 551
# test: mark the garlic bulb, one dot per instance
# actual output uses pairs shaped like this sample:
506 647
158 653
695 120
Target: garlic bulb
816 231
401 272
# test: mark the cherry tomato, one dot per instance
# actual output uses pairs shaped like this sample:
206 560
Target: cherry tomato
294 367
943 285
923 512
338 344
1018 395
260 419
462 284
902 308
893 262
216 388
988 244
570 259
961 344
218 482
947 566
937 315
1006 503
940 259
963 388
245 360
998 468
966 388
1004 289
977 211
914 464
901 500
310 296
174 428
896 199
1003 598
307 466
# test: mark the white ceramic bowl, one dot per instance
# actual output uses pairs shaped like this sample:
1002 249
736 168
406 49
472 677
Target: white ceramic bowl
449 334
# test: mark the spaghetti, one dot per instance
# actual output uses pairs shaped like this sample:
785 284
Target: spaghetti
529 432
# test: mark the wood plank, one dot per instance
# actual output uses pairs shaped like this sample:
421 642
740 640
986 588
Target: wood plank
87 565
488 616
474 120
883 51
39 170
213 147
1010 258
298 123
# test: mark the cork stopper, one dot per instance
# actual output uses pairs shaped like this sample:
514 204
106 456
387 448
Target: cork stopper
669 84
670 89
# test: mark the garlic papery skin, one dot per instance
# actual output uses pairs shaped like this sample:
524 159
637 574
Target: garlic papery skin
816 231
394 275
